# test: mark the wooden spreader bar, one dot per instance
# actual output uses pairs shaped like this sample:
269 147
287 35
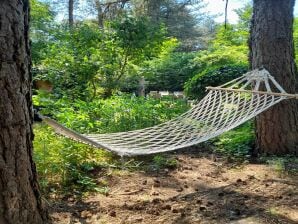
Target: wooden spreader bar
295 96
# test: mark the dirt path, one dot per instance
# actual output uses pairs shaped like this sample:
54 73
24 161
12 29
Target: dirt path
203 189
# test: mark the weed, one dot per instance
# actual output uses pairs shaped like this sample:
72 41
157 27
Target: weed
161 162
284 165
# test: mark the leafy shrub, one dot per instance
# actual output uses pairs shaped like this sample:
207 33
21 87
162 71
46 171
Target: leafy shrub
196 86
171 72
81 60
119 113
161 161
62 163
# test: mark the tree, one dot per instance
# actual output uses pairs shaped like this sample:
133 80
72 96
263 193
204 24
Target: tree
41 20
106 10
184 20
20 200
70 13
271 47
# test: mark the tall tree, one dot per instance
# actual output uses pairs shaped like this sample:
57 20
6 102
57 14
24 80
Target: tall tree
70 13
20 199
271 47
100 13
184 20
108 9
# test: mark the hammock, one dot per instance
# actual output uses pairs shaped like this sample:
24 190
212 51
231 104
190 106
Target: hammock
222 109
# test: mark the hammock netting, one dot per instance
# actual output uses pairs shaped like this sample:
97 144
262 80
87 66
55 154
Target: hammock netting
223 108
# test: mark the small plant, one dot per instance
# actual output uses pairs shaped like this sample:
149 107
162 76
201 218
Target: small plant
161 161
284 165
278 164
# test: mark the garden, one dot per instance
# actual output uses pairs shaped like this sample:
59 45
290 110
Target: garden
92 63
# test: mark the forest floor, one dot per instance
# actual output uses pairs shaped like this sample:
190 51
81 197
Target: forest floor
203 188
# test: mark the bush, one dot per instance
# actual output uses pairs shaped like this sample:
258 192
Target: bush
62 163
119 113
214 76
171 72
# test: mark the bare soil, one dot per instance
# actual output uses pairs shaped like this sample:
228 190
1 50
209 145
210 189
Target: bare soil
204 188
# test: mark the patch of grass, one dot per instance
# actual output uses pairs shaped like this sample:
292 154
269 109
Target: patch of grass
273 211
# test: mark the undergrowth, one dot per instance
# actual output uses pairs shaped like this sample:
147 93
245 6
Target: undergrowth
287 164
65 165
122 112
237 143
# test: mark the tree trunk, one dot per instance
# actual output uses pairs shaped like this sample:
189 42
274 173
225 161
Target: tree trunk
100 13
20 199
153 9
271 47
70 13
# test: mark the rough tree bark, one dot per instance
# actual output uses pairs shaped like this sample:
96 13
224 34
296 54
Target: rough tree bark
70 13
271 47
20 199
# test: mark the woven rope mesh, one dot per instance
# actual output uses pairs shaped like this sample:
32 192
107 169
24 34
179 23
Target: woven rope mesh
219 111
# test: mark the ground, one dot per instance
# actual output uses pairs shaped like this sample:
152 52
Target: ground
203 188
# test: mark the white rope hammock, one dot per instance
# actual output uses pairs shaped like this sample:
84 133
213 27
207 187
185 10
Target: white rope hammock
223 108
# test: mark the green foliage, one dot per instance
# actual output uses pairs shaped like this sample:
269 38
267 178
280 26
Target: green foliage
118 113
138 36
41 15
68 63
62 163
287 164
40 25
81 61
171 71
196 86
244 15
228 47
225 59
184 20
162 161
295 36
237 142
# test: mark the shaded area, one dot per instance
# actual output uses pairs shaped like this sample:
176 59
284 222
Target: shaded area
204 188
